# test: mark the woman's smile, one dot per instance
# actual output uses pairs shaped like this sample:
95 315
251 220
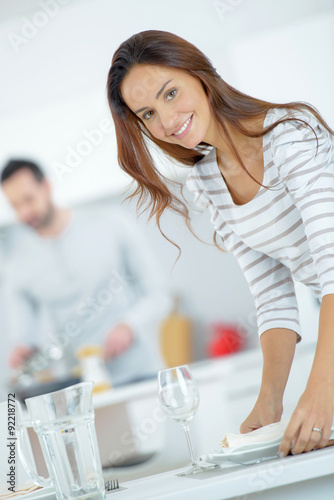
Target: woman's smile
184 129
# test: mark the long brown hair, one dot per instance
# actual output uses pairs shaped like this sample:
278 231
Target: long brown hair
227 104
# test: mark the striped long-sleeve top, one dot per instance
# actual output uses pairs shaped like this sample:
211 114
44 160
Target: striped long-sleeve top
286 232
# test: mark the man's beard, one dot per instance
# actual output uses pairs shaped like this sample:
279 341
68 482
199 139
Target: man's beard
47 219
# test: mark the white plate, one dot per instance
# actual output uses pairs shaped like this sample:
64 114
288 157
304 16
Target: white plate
246 454
251 446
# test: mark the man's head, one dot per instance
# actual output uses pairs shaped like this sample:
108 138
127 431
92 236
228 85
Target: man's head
29 193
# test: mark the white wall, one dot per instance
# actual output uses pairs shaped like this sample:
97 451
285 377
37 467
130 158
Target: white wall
52 94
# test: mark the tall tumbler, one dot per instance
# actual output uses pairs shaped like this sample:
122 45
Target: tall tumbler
64 423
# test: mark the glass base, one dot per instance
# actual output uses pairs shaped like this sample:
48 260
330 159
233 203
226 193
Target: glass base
196 469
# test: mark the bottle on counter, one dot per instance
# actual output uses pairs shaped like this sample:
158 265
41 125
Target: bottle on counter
93 367
176 337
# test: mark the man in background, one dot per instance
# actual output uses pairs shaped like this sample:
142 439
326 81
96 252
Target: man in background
89 269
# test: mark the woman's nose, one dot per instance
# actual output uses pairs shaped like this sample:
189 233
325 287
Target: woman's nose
169 121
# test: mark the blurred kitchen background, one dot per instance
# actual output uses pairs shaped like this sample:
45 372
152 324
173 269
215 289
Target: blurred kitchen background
55 56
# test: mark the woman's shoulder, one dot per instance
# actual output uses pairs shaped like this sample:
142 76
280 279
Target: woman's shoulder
291 117
295 126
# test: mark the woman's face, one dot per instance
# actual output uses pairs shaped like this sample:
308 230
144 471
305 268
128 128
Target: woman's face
171 103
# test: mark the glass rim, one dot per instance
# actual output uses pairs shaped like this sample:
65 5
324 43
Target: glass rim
69 387
173 368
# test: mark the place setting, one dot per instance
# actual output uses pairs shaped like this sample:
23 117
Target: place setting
179 398
64 423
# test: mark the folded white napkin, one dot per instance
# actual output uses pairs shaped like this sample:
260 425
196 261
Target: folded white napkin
261 436
21 490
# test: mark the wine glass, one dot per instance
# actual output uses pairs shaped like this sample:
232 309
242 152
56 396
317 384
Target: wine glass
179 399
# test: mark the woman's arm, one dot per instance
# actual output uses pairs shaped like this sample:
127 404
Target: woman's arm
315 407
278 348
305 165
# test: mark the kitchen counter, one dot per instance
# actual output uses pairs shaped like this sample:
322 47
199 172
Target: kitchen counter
132 429
306 476
228 388
202 370
237 365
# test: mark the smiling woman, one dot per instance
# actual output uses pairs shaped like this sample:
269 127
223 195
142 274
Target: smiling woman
156 84
268 182
179 110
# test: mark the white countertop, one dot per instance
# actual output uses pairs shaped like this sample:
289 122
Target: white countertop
238 481
205 370
202 370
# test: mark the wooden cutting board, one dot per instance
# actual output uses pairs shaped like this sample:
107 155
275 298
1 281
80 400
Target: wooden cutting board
176 340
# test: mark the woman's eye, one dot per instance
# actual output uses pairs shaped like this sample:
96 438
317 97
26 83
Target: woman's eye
147 115
170 94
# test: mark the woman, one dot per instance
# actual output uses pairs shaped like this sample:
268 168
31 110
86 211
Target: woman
268 183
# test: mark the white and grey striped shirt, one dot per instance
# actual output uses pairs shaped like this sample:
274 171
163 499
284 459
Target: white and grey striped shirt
286 232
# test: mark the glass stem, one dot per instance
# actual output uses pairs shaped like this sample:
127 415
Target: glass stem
186 430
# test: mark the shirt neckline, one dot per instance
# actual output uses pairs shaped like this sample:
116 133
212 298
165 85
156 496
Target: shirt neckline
65 232
221 180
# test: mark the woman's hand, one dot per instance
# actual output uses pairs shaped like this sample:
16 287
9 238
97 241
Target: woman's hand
118 340
19 354
315 407
267 410
314 410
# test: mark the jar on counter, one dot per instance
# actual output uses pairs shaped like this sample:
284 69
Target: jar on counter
93 367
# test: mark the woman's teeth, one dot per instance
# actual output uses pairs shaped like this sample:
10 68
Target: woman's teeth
184 126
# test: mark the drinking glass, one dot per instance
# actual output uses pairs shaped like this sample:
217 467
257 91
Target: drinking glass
64 423
179 399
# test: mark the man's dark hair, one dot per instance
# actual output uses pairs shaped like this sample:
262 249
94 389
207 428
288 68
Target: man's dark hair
13 166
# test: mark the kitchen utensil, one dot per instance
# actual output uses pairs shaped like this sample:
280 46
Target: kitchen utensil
224 339
112 484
